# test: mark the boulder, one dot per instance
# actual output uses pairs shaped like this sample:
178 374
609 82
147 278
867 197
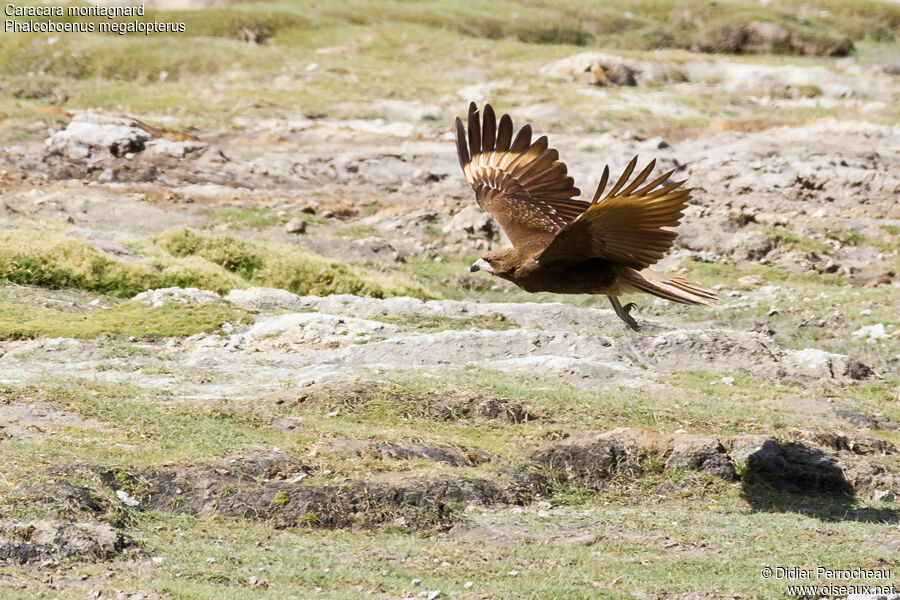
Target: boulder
98 135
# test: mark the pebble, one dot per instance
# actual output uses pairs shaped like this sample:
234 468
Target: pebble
872 332
126 498
882 495
295 226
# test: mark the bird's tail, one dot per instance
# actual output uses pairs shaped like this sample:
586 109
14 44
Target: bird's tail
670 287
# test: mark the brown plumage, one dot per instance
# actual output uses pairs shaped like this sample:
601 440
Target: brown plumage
565 245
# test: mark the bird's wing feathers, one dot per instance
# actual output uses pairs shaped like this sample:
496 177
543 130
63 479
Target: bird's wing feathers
626 226
523 185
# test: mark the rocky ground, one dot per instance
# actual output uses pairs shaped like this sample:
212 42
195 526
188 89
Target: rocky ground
250 361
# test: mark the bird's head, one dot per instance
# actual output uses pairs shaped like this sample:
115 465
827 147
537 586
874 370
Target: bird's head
496 262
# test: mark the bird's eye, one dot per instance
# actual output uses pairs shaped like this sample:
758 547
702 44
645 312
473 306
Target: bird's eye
488 260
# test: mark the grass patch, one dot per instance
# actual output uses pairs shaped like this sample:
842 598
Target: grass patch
186 258
356 232
148 427
131 318
669 547
243 217
395 46
284 266
407 408
795 241
257 218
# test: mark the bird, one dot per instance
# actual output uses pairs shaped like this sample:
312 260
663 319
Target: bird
562 244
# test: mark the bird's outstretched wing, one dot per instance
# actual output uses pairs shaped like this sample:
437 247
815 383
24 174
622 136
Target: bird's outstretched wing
521 184
626 226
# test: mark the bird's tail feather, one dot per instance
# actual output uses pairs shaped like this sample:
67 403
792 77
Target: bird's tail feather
670 287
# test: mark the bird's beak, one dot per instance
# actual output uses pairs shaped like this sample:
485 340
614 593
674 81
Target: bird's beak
481 265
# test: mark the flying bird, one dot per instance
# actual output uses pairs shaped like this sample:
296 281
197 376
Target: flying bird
565 245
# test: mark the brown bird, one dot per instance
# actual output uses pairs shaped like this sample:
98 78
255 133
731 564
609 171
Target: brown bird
568 246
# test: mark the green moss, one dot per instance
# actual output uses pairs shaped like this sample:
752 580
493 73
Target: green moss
55 260
186 258
796 241
284 266
233 254
850 238
244 217
132 318
282 498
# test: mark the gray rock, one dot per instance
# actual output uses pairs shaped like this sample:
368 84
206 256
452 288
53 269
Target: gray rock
295 226
594 460
405 450
607 70
91 133
259 298
97 135
48 541
194 296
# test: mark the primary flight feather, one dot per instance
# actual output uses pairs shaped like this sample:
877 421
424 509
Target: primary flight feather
562 244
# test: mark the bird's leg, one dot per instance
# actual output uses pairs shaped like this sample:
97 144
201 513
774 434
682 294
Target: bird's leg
623 311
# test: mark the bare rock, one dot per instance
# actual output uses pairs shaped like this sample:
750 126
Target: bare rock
258 298
191 296
63 499
763 37
406 450
813 363
869 479
857 444
173 149
374 249
606 70
97 135
91 133
48 541
244 489
301 331
593 460
295 226
474 224
266 466
591 463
